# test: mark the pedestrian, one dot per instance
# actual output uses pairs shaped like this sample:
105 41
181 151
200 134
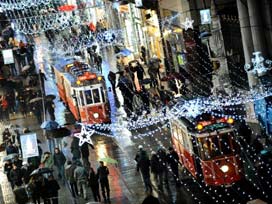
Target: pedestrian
53 189
143 54
75 149
143 165
69 175
7 169
5 108
11 149
44 189
16 176
103 173
173 161
17 161
84 149
22 105
36 109
42 78
47 160
34 187
112 79
50 107
59 161
81 178
94 184
67 152
163 174
154 165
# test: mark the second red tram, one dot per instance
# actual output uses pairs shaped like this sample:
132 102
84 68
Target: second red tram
83 90
207 149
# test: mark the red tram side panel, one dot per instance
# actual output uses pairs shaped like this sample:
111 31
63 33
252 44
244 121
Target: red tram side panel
213 151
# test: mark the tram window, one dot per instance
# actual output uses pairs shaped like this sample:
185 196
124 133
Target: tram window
88 95
103 95
96 96
215 148
225 143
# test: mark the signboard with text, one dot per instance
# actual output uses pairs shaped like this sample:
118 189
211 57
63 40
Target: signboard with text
205 16
29 145
8 56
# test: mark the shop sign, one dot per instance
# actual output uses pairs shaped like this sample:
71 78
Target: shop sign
8 56
29 145
205 16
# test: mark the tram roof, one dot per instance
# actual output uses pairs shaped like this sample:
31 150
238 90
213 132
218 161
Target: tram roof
60 64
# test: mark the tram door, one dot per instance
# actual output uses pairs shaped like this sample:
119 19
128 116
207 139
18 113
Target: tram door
81 101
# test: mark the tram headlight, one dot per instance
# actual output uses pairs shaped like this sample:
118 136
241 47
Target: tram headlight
224 168
230 121
96 115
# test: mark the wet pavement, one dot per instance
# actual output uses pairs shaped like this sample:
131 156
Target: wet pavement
125 183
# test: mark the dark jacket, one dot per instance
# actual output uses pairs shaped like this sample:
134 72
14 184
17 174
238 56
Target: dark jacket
11 149
59 159
53 188
155 164
143 163
103 173
75 148
16 176
69 173
93 180
84 150
173 159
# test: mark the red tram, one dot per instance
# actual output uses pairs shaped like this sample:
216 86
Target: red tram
207 148
83 91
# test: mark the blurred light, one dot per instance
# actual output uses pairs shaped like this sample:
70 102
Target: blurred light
224 168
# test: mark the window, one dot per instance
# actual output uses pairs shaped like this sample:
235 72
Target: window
89 98
211 147
96 96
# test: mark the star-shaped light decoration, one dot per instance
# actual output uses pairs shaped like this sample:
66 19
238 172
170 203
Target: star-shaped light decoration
85 135
188 23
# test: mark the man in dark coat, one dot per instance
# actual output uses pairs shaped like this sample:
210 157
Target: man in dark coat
11 149
59 161
69 174
103 173
50 107
16 176
75 149
93 183
173 161
143 164
53 189
42 78
112 79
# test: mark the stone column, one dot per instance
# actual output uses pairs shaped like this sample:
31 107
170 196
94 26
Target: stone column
246 38
255 19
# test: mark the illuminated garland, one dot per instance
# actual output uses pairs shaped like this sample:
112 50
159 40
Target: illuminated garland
22 4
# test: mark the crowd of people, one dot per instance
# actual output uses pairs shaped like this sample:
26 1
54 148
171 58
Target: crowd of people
70 171
141 91
161 165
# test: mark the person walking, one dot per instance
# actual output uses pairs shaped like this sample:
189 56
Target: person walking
47 160
34 188
75 149
103 173
80 176
143 165
173 161
94 184
112 79
50 107
59 161
84 149
16 176
69 175
53 189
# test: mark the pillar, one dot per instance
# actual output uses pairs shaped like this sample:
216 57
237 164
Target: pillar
255 19
246 38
